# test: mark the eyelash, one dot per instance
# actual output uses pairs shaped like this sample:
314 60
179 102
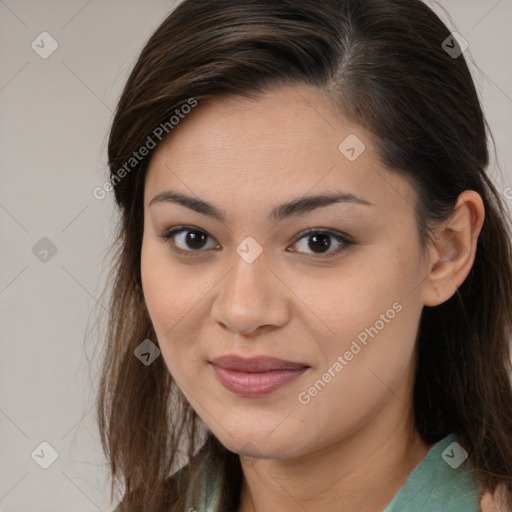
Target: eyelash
341 238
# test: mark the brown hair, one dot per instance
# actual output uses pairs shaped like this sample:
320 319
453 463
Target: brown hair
383 63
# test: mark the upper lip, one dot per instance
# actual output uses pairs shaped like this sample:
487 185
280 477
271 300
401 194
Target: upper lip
255 364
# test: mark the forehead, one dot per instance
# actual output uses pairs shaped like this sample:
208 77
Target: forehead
287 142
292 117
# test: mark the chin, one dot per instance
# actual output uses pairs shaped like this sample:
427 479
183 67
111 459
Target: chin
259 444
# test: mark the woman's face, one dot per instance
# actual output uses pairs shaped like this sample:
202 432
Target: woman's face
251 284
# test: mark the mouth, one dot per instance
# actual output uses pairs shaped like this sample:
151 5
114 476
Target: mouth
257 376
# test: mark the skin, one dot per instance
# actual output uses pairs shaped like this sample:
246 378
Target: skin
247 156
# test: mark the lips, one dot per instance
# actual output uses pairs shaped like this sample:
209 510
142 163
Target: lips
255 364
257 376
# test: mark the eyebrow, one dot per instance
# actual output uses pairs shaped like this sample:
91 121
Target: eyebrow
291 208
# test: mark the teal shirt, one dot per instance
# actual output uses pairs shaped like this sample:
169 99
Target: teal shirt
442 482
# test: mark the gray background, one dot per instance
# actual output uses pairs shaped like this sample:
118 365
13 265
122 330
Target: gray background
54 120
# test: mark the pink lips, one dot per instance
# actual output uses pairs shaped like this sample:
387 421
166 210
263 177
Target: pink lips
256 376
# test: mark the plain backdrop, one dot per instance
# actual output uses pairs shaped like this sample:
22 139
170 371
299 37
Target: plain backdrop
55 114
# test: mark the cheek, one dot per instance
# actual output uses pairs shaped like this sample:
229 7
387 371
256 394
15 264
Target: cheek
345 301
371 336
369 318
174 297
170 290
363 373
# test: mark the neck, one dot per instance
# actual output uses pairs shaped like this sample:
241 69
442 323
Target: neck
362 472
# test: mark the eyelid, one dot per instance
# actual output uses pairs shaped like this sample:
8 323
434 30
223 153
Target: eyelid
341 237
334 232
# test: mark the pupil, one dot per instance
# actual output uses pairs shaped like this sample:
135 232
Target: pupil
323 241
194 238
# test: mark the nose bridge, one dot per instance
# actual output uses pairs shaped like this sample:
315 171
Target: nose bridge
250 295
248 281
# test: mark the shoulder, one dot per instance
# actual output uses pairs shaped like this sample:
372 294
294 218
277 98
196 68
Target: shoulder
442 481
203 472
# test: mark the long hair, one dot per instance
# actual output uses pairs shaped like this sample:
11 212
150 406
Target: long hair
385 63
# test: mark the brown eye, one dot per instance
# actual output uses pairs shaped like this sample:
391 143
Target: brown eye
195 239
191 241
320 241
187 240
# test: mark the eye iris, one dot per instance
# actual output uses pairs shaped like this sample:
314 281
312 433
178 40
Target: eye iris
195 237
323 240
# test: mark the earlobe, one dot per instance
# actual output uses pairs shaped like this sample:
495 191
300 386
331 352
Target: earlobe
453 251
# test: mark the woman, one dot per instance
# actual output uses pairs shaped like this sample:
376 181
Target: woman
312 283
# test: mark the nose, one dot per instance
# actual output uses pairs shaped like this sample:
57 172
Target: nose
252 298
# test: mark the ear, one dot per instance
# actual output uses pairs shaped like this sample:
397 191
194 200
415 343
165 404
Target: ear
452 253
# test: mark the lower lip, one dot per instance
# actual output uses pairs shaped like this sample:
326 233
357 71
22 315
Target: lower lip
254 384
